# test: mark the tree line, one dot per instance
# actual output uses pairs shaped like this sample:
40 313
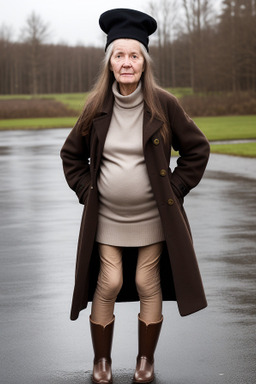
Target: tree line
194 47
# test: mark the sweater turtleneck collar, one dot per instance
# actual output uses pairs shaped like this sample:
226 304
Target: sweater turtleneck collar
130 101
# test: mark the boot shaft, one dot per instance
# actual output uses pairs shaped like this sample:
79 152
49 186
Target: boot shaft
148 338
102 339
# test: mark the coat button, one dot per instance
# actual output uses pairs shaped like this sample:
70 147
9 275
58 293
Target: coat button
170 201
156 141
163 172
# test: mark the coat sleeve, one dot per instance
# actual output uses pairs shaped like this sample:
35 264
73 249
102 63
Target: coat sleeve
75 159
193 148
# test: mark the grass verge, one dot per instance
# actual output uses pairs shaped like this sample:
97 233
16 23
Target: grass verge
73 101
215 128
37 123
241 149
76 101
228 127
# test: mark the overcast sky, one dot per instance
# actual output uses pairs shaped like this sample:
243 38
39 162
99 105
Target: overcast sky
70 21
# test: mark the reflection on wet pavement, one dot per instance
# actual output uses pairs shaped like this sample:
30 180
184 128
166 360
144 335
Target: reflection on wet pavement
39 225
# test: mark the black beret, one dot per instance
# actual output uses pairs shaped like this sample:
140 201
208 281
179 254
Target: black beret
123 23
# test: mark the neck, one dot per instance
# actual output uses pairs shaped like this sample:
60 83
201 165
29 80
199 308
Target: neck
127 101
127 89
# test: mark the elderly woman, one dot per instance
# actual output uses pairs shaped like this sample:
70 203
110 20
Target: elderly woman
135 241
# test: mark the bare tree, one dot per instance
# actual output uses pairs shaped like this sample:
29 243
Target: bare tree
237 27
166 12
34 34
188 49
5 55
197 14
6 33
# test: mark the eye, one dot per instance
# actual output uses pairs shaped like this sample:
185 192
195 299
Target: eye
118 55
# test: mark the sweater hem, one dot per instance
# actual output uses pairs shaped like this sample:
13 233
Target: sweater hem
135 234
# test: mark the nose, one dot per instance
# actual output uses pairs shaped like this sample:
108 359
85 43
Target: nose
127 62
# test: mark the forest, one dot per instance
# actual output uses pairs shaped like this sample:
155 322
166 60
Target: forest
195 46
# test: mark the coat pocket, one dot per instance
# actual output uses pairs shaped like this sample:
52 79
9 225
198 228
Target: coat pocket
176 192
83 189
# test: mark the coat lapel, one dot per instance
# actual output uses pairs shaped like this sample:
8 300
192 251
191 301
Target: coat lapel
150 127
102 122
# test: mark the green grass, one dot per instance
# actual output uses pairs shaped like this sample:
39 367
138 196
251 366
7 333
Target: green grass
240 149
180 92
38 123
74 101
22 97
228 127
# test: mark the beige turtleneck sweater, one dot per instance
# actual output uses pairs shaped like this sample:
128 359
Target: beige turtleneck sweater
128 215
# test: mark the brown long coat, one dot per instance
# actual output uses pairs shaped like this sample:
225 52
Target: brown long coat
81 155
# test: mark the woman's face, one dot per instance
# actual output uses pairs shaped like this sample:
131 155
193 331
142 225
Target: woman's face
127 64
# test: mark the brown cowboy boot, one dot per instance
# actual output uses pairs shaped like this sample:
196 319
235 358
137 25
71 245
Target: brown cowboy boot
148 338
102 343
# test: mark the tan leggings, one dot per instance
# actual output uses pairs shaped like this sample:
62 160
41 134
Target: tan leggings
110 281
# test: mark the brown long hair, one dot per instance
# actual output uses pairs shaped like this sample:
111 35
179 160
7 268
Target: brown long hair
102 90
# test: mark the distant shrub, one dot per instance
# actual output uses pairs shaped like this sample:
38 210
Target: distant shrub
26 108
242 103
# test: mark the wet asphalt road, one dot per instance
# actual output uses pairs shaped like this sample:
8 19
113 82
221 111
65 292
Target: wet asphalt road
39 225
